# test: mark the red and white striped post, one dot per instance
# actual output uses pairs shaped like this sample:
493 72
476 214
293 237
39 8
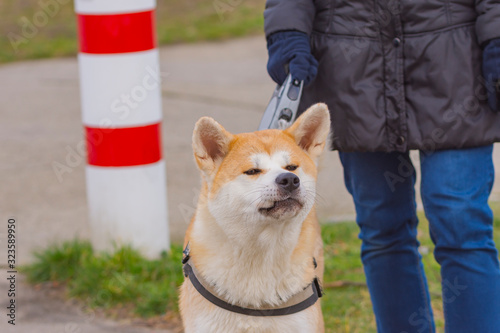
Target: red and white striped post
121 108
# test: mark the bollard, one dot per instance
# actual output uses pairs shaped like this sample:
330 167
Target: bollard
121 110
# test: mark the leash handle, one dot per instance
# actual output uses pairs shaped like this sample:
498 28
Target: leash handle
283 106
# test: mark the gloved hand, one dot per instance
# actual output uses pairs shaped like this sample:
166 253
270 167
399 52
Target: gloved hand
491 72
290 48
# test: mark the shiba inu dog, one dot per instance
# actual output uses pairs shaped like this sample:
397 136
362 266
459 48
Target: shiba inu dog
253 251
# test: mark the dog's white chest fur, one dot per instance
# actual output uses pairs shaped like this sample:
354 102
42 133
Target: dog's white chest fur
255 270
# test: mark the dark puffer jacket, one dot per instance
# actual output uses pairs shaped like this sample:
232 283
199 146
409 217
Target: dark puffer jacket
397 74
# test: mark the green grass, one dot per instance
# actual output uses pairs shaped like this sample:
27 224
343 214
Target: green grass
348 310
176 21
122 279
148 288
345 309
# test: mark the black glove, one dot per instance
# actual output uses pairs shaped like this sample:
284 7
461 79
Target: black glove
291 48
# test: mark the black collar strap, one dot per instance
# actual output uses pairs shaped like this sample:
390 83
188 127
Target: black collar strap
296 303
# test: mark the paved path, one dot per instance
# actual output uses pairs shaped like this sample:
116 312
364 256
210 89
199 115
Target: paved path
45 310
41 124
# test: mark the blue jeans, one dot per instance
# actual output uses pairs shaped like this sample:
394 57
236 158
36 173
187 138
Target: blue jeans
455 188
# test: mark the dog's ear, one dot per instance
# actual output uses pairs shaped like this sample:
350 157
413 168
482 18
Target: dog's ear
210 143
311 129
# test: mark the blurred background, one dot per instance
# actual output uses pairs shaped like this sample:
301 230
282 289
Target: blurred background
212 63
177 22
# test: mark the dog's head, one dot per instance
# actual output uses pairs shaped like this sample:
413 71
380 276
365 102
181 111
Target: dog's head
265 176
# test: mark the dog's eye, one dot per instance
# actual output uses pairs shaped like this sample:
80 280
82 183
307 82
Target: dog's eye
291 167
252 172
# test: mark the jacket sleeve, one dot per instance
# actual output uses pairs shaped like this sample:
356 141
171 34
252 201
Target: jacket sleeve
281 15
488 20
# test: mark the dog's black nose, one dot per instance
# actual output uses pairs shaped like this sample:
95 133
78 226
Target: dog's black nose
288 181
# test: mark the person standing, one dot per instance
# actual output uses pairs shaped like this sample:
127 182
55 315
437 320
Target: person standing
400 76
